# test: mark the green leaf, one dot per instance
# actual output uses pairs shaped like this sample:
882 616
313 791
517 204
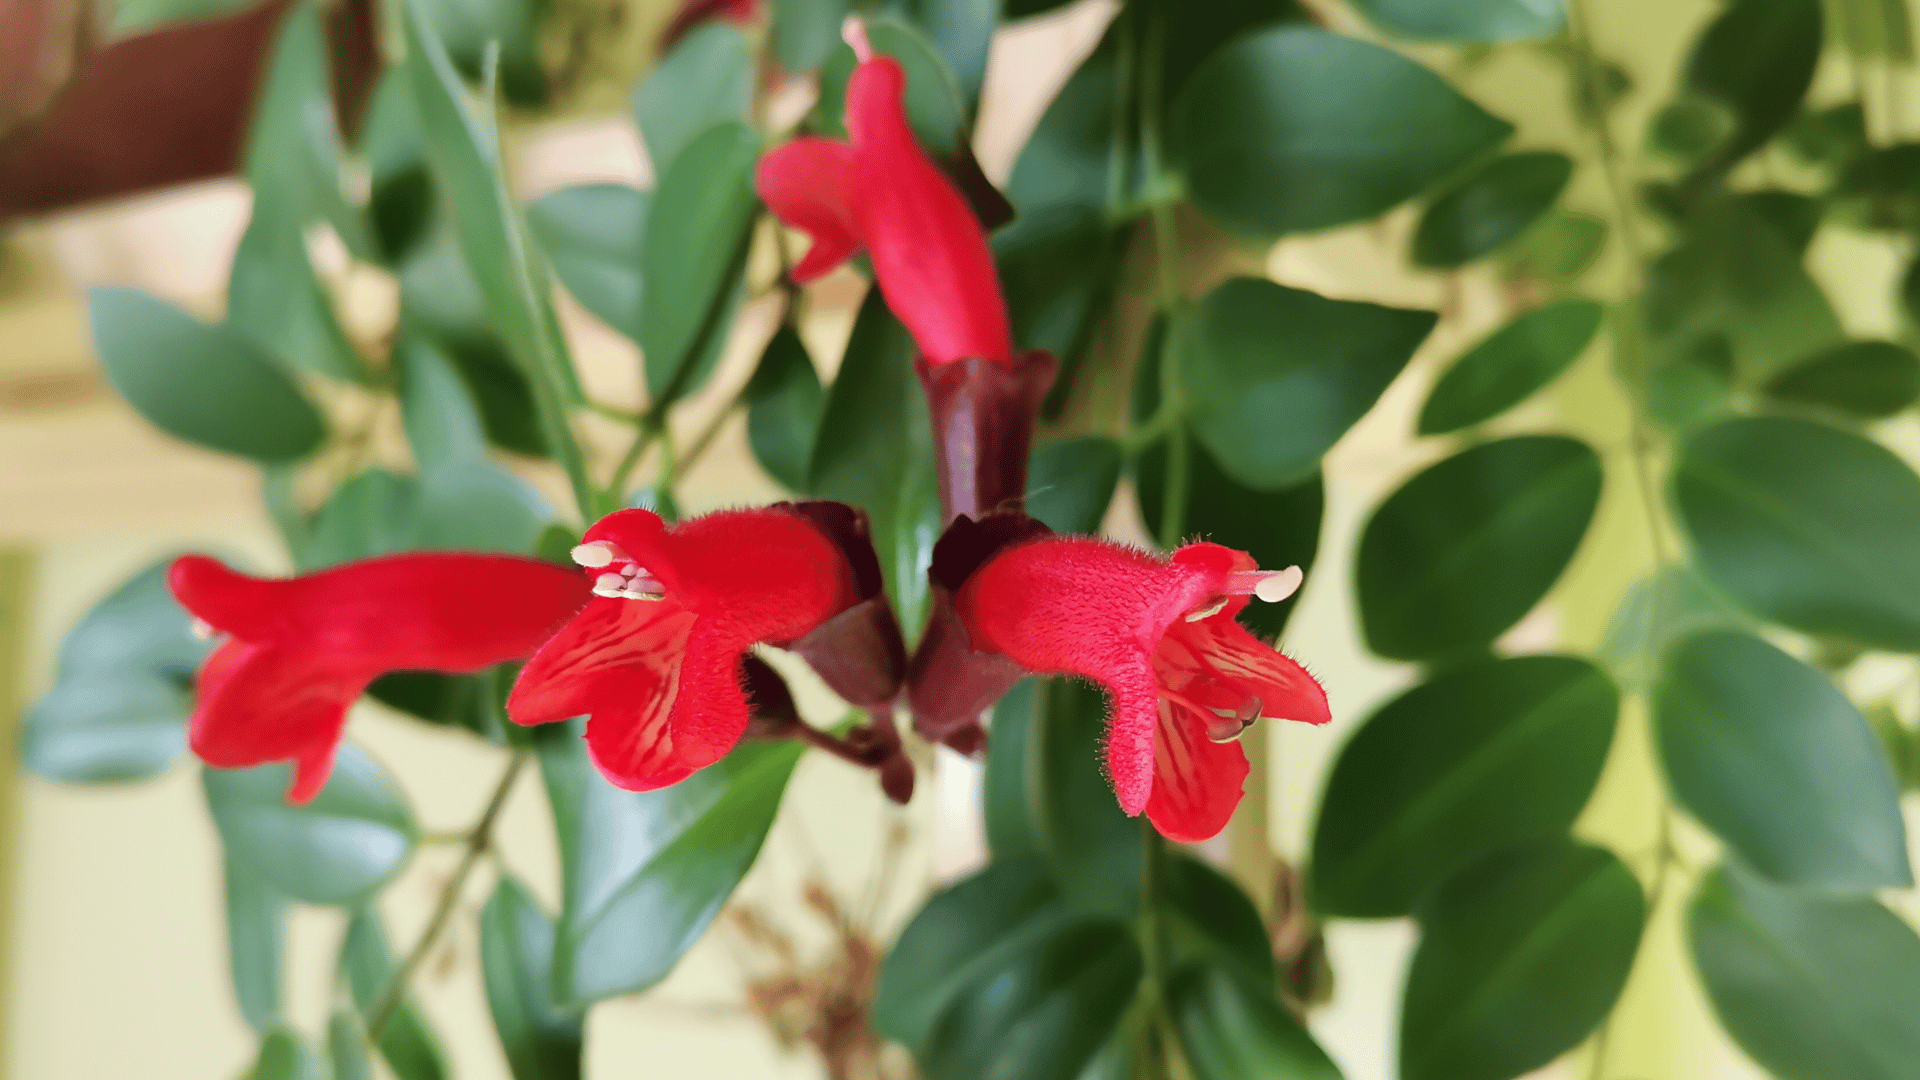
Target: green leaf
1807 526
256 944
806 31
1831 138
407 1042
1071 481
961 31
1490 207
1468 546
1485 754
1812 987
442 422
473 702
594 234
1209 920
1045 1015
706 80
374 513
285 1054
479 506
1510 364
1491 21
1093 846
1687 604
1690 127
1231 1031
402 201
875 451
1872 28
963 936
1767 753
471 29
1276 375
205 384
784 403
694 256
347 1049
1686 386
1559 248
1292 129
934 106
338 849
1009 816
664 860
122 689
1521 955
1872 380
276 300
542 1042
1757 58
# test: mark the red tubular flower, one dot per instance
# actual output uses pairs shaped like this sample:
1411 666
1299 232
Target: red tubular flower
654 661
302 649
1185 678
694 12
883 193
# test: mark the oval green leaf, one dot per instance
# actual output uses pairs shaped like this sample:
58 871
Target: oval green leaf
1078 825
408 1042
784 403
1521 955
1071 481
1273 137
542 1042
1276 375
707 79
594 235
256 944
285 1054
1767 753
1467 547
693 256
1757 58
340 848
1490 207
1486 754
206 384
1233 1031
1868 379
1488 21
1510 364
1812 987
1807 526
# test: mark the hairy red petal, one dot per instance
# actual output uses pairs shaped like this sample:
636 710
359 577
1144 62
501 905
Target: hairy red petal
267 702
1197 782
808 184
1221 651
611 653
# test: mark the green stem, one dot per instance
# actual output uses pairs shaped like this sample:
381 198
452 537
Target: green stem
479 839
1154 1044
616 490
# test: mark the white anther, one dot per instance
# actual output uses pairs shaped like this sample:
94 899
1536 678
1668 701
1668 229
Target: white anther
595 555
609 585
638 594
201 629
1281 585
1207 612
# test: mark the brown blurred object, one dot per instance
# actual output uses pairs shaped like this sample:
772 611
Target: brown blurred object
82 121
1299 945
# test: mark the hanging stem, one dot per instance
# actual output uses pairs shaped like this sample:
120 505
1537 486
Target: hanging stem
479 840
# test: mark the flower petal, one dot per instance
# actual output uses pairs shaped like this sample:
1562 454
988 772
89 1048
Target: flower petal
1197 783
615 652
808 185
1220 650
262 703
1130 732
930 254
630 738
710 712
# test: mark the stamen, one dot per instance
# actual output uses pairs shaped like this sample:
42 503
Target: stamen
201 629
609 585
854 33
1272 586
639 594
595 555
1207 612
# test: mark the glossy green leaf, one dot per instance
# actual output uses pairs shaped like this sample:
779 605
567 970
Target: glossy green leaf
256 944
1559 248
1275 375
1045 1015
441 419
407 1042
665 860
1292 129
1485 754
1510 365
1757 58
402 200
1490 207
1806 525
875 450
1071 481
806 31
338 849
1207 919
1492 21
479 506
1868 379
476 703
542 1042
594 236
1078 825
1008 812
206 384
1466 548
1901 743
347 1049
963 936
694 255
122 689
285 1054
1687 604
504 397
1767 753
374 513
1793 216
1522 954
706 80
1831 138
1812 987
784 403
471 29
1232 1031
1686 385
275 299
961 31
1690 127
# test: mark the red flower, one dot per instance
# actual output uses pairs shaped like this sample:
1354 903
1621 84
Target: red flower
1186 678
302 649
883 193
694 12
655 660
